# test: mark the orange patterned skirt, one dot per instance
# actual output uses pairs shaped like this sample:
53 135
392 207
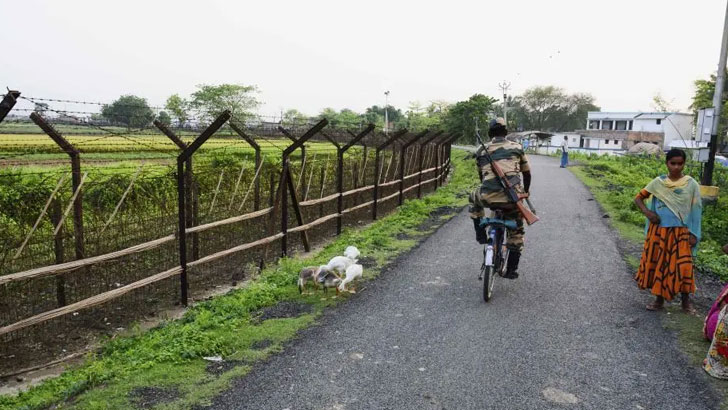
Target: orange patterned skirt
666 267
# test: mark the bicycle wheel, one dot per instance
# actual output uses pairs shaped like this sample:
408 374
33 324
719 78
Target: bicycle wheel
488 281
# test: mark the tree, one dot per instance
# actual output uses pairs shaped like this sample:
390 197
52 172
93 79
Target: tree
463 115
164 118
212 100
549 108
541 105
420 118
128 110
660 104
345 118
703 98
294 118
179 107
574 112
375 115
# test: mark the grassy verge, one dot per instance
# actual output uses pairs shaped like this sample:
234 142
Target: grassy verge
164 367
612 182
615 181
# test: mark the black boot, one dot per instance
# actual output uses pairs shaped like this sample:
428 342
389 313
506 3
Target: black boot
480 234
512 264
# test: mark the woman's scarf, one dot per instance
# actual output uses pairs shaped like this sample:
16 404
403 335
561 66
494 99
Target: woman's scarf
682 197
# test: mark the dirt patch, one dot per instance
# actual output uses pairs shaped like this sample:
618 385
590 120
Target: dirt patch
368 262
148 397
261 344
444 210
218 368
403 236
283 310
435 218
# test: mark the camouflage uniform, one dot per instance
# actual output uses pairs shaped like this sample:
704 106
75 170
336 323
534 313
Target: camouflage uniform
511 159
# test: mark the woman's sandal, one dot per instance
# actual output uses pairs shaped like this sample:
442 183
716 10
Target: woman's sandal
655 306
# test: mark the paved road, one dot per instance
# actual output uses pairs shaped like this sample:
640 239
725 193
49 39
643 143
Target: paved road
572 332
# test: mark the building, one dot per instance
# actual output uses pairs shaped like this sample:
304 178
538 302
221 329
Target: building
622 130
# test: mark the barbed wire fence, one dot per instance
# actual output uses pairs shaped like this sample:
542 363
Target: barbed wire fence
104 225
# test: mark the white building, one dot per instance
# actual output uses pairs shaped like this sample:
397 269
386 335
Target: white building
642 126
574 138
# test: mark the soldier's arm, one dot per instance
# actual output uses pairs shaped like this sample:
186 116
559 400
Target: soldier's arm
526 171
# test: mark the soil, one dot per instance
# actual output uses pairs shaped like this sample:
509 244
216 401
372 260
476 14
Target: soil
283 310
148 397
368 262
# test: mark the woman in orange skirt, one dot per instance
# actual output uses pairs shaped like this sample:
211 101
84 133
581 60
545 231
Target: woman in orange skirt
673 231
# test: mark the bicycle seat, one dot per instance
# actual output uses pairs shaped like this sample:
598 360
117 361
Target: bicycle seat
510 224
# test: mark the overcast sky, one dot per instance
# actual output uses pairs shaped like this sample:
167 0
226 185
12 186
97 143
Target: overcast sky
344 54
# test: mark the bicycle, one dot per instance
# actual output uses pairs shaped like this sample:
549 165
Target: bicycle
495 252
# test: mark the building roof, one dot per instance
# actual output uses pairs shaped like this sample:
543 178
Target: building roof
607 115
537 134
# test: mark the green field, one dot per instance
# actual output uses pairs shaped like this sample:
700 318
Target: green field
32 150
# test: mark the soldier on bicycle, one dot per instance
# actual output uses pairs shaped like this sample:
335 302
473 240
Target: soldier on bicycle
513 161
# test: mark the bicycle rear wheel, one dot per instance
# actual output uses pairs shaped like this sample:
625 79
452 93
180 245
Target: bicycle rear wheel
488 273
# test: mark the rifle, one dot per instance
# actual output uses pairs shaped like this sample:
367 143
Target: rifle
528 214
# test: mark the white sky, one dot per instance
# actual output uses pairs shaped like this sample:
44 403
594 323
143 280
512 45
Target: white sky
344 54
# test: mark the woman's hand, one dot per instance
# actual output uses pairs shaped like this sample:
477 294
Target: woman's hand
693 240
725 248
653 217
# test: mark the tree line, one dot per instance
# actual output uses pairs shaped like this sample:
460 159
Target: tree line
545 108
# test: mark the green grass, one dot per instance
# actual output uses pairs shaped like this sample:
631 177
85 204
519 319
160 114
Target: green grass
607 179
171 354
615 181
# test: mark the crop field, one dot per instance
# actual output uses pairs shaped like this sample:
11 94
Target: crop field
32 150
124 200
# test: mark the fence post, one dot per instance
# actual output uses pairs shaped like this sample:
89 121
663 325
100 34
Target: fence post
74 154
340 173
303 148
448 152
192 199
55 215
297 143
256 147
181 196
377 162
8 103
439 159
422 145
402 151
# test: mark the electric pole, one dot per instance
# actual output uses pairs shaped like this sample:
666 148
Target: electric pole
386 113
504 86
717 105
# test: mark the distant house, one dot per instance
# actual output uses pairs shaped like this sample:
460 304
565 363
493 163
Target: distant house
622 130
574 138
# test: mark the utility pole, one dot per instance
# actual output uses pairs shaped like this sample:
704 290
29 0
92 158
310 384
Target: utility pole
717 104
504 86
386 113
